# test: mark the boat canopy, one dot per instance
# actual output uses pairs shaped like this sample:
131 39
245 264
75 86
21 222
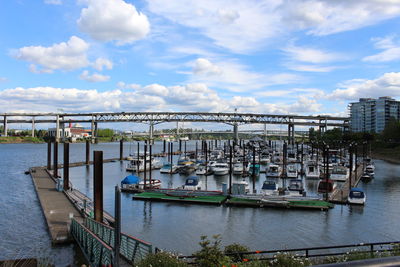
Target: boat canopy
192 180
130 179
269 185
356 193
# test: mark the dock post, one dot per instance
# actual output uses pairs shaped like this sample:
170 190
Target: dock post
117 225
49 155
121 149
235 132
98 185
150 163
87 152
253 174
145 165
230 170
66 166
5 126
326 154
55 160
180 145
164 141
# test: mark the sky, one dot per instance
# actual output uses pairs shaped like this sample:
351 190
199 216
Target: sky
305 57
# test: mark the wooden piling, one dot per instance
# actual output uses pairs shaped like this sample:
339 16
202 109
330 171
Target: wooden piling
98 185
55 160
66 166
87 152
49 155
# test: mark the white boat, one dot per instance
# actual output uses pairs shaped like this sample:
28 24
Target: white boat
192 183
291 171
291 156
167 168
153 183
221 168
370 170
274 171
296 187
269 188
312 170
201 170
339 173
245 183
357 196
238 168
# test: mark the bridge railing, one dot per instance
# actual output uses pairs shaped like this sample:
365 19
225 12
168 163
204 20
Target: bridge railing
131 248
97 252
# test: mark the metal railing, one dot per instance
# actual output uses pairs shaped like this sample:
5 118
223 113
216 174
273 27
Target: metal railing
132 249
96 251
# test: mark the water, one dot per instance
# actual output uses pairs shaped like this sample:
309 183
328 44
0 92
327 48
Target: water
178 227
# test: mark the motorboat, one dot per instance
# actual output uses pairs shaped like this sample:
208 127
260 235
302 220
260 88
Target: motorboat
356 196
168 168
269 188
291 171
312 170
221 168
239 168
256 168
192 183
366 178
132 182
370 170
274 171
201 170
296 186
339 173
326 186
153 183
243 183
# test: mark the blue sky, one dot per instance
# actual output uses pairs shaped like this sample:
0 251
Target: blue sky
275 56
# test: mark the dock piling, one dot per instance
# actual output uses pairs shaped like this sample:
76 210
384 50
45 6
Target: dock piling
121 149
49 155
98 185
55 160
66 166
87 152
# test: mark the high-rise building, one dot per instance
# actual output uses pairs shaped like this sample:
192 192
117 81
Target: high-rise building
372 115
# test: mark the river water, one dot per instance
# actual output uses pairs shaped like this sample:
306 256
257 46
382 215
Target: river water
178 227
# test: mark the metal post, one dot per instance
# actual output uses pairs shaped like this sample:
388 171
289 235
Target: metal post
33 126
98 185
164 143
254 169
49 155
66 166
351 166
5 126
137 158
180 145
150 168
145 165
87 152
121 149
185 149
117 225
326 150
172 152
230 170
57 136
55 160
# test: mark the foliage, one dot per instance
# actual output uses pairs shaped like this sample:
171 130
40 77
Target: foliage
391 133
161 259
105 132
288 260
235 248
211 254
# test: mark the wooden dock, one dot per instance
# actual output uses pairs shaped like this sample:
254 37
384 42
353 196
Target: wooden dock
339 195
57 209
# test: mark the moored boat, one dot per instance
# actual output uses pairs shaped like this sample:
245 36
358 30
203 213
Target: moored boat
356 196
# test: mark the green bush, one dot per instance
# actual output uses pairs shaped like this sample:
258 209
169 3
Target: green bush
161 259
288 260
211 254
234 248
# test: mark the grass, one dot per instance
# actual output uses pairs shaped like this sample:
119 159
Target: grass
20 139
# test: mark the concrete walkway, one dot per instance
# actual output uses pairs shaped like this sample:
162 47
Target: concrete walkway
57 209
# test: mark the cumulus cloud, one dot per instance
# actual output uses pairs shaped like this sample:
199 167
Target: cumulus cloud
67 56
304 105
387 84
245 26
390 47
101 63
95 77
203 66
113 20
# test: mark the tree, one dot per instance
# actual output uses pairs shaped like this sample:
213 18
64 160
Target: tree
105 132
391 133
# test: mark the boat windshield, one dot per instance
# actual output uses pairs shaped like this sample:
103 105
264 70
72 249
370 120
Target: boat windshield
191 181
269 186
356 194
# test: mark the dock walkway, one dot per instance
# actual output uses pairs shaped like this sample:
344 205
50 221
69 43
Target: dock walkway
339 195
57 208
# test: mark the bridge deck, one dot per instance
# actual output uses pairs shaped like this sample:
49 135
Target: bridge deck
57 209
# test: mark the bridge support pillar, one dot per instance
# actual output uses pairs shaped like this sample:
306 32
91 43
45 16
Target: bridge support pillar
177 130
55 160
57 135
33 126
151 132
5 126
290 133
265 132
92 131
236 133
95 132
98 185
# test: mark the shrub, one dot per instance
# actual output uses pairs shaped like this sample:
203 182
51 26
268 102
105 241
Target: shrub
161 259
235 248
211 254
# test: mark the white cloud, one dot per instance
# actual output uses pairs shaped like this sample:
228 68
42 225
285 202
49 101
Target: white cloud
387 84
113 20
133 86
67 56
391 50
233 76
310 68
304 105
311 55
95 77
245 26
3 79
102 62
53 2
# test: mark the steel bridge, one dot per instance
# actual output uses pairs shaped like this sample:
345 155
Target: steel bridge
154 118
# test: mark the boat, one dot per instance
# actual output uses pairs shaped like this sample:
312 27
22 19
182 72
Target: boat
221 168
370 170
356 196
312 170
326 186
296 186
238 168
134 183
153 183
245 185
187 169
201 170
168 168
339 173
256 169
274 171
366 178
192 183
269 188
291 171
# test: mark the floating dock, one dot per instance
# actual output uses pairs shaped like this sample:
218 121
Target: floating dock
57 208
193 199
340 194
